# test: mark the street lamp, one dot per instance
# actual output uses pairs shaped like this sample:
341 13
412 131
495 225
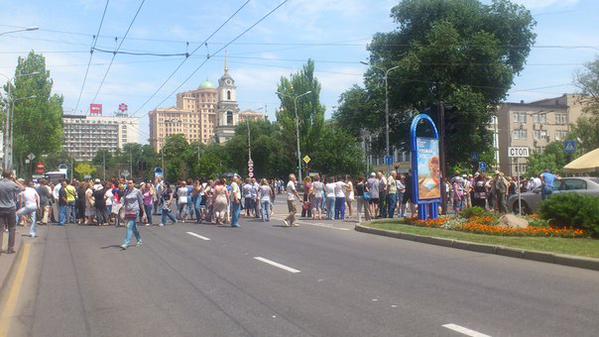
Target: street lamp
299 159
28 29
386 78
8 127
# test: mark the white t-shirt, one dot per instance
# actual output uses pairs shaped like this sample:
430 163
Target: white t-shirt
340 187
109 197
318 189
291 191
29 196
329 190
56 191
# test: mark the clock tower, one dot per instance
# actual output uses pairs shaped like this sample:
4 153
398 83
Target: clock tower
227 109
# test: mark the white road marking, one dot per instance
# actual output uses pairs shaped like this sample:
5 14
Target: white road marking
198 236
464 330
325 226
276 264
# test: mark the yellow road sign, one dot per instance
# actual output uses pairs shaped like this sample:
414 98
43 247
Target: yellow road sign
307 159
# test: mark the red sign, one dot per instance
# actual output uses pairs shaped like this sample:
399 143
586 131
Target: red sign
95 109
123 107
40 168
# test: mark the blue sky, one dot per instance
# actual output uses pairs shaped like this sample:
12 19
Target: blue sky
332 32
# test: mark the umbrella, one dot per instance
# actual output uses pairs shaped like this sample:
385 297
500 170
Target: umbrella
589 162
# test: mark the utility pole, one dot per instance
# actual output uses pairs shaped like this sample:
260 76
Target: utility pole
249 141
104 164
441 121
130 162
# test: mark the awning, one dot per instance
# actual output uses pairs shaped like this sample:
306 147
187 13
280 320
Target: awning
589 162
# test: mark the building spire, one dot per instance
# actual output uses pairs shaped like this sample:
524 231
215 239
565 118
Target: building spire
226 63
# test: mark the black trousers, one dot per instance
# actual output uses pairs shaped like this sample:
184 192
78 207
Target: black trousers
8 219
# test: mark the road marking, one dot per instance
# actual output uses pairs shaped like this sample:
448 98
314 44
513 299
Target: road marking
464 330
198 236
325 226
276 264
14 292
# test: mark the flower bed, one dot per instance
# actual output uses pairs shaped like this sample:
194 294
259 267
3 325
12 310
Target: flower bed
488 225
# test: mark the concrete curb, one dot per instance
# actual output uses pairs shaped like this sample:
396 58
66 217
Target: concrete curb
565 260
5 275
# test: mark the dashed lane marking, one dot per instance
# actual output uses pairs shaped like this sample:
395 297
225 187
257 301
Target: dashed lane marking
464 330
198 236
276 264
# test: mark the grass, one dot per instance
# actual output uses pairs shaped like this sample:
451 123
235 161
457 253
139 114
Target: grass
578 247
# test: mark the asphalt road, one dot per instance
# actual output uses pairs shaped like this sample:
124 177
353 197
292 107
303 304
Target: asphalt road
267 280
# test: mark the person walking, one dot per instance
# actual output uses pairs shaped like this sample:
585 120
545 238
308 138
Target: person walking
391 194
351 195
45 194
248 203
99 195
340 198
30 202
55 205
90 211
292 195
63 204
502 188
382 195
9 189
264 196
372 186
221 200
133 204
166 202
108 200
182 199
235 201
199 203
148 195
407 200
79 202
362 203
306 207
71 191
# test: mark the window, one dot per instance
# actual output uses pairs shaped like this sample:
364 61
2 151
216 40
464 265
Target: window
539 118
561 119
573 184
561 134
519 117
519 134
540 134
228 95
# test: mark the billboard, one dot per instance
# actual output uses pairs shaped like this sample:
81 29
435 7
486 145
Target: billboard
95 109
429 170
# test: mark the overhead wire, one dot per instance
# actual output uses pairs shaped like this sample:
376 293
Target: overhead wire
91 54
118 48
187 56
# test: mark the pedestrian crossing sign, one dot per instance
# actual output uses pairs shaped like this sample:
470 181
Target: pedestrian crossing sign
570 147
307 159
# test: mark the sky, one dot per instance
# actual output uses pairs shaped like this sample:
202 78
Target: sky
332 32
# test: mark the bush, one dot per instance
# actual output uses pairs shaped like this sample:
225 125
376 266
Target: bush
572 210
476 212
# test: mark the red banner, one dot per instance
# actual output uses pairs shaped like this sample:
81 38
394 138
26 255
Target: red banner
95 109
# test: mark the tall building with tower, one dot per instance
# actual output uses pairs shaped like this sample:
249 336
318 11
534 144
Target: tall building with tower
207 114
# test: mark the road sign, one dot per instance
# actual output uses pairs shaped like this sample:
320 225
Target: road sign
517 152
475 156
388 160
31 156
307 159
482 166
251 174
123 107
570 147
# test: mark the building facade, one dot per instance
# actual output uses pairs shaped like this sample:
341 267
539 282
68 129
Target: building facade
534 125
252 116
86 135
207 114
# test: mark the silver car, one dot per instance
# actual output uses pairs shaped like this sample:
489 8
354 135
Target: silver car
531 201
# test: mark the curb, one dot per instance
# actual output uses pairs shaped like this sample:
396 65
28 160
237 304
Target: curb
565 260
9 271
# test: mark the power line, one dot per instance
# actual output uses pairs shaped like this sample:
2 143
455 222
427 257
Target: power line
187 56
118 48
114 52
91 54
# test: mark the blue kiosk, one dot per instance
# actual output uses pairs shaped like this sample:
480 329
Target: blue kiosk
426 169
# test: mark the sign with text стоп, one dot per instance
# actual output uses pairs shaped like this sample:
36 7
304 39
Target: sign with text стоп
518 152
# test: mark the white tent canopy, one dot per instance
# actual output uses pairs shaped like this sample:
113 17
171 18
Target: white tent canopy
589 162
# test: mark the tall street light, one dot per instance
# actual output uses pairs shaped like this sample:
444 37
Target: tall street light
297 135
386 78
8 126
28 29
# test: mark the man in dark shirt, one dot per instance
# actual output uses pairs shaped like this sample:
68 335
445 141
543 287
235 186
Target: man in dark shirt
62 203
9 189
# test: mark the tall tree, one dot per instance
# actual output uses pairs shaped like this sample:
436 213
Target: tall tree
460 52
37 112
552 158
588 83
310 112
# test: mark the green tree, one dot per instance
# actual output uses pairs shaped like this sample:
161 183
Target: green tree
84 169
337 153
37 124
461 52
309 110
552 158
588 83
586 132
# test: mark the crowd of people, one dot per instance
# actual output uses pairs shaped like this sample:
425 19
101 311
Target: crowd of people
123 202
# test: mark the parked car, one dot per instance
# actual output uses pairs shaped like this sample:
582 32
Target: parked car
531 201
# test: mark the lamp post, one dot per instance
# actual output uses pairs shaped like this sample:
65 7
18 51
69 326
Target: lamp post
386 78
28 29
8 126
297 135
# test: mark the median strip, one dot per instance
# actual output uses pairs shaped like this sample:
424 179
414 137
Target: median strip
276 264
198 236
464 330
